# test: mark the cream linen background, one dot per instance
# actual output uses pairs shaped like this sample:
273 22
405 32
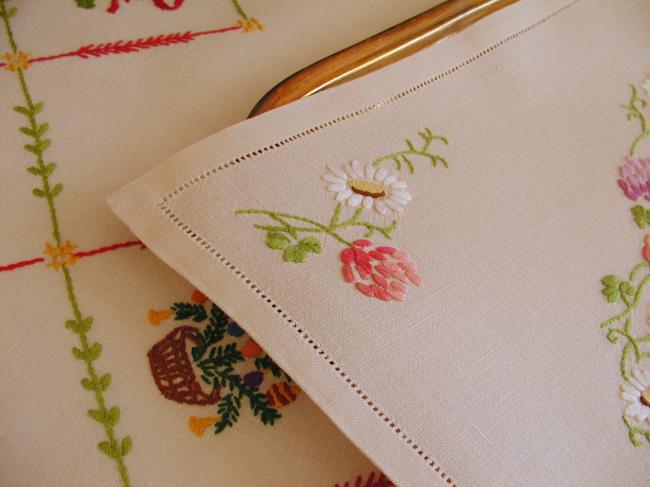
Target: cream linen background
111 119
496 367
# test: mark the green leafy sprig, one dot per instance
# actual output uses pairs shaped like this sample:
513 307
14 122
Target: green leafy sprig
402 157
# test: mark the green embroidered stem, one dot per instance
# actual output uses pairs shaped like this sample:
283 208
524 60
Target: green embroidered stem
401 157
293 230
634 110
239 9
633 431
277 234
87 352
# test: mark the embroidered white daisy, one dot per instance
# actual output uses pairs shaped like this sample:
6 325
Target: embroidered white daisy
636 391
359 184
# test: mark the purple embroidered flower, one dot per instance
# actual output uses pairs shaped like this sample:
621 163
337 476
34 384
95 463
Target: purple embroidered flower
635 178
253 379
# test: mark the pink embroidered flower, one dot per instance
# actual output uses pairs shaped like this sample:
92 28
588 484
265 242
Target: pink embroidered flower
645 252
382 272
635 178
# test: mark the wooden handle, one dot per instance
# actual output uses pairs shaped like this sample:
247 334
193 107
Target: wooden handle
382 49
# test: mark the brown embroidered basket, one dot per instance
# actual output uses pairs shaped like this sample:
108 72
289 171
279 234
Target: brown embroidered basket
172 370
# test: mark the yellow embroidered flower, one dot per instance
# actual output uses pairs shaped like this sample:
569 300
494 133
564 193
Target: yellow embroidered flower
15 61
250 24
60 256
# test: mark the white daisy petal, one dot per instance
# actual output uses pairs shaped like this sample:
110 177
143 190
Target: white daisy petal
399 184
343 195
646 373
397 199
632 409
370 170
350 172
629 397
402 194
643 413
630 390
380 174
357 166
337 172
636 384
367 202
333 179
355 200
338 187
640 376
390 180
380 207
393 205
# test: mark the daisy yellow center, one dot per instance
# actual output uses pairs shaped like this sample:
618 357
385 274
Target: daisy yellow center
367 188
645 397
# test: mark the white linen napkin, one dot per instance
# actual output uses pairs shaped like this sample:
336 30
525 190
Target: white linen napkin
422 249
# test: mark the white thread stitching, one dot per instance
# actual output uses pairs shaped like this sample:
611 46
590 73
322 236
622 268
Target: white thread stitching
162 205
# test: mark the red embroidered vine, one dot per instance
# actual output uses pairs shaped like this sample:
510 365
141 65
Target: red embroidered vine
127 47
88 253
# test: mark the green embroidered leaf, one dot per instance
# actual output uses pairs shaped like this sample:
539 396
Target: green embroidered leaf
31 148
626 287
127 445
38 192
295 253
58 187
184 311
611 288
38 107
277 240
22 110
88 384
49 169
86 3
311 244
43 144
12 12
110 449
97 415
228 409
34 170
93 351
27 131
108 417
44 127
79 326
641 216
105 381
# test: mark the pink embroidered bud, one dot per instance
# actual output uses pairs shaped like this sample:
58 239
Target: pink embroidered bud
635 178
645 252
384 272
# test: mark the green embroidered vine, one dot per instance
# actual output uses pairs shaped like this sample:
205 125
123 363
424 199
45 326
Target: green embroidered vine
634 109
629 292
86 352
360 189
400 157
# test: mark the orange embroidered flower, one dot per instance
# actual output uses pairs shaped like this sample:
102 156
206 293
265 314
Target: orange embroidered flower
15 61
199 425
156 317
60 256
250 24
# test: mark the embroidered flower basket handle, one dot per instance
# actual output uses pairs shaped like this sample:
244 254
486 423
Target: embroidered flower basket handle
172 370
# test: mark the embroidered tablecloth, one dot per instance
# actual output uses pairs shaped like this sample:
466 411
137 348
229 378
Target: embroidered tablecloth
450 255
108 359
